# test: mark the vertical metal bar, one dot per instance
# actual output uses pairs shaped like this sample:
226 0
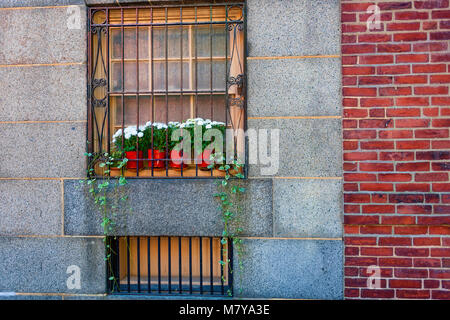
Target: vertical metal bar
201 264
211 67
196 80
169 270
181 70
222 266
159 264
180 269
148 266
190 265
244 90
138 264
108 90
137 90
117 251
167 82
230 264
226 78
128 264
211 267
152 85
123 79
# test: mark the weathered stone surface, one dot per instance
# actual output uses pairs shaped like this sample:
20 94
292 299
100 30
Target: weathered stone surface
307 208
303 269
37 3
14 296
43 93
43 150
307 147
42 36
294 87
30 207
293 27
40 264
170 207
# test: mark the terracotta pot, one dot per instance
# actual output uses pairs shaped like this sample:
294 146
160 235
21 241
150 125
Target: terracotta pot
203 160
132 162
176 159
158 158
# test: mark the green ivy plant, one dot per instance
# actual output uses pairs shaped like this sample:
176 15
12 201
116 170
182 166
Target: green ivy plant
107 193
230 192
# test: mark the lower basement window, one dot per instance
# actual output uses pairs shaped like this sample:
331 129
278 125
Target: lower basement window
170 266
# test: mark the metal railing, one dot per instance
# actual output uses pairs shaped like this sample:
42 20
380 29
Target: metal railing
170 265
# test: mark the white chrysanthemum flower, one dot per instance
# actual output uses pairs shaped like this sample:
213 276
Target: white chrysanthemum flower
140 134
208 126
127 136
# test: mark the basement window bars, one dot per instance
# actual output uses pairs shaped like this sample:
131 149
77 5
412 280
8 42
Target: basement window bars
170 265
152 69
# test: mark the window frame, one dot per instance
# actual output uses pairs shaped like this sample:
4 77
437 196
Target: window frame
94 83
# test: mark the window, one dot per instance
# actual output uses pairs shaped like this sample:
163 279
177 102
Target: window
170 265
156 70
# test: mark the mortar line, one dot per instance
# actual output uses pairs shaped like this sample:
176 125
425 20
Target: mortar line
293 238
42 121
42 64
294 117
294 57
38 7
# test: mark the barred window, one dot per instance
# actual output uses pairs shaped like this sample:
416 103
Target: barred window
154 70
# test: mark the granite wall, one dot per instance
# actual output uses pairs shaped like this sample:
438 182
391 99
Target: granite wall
292 220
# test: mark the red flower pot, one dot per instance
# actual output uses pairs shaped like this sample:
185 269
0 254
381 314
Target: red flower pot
203 160
132 162
158 158
176 159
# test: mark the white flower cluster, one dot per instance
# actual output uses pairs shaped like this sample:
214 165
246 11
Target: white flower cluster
134 131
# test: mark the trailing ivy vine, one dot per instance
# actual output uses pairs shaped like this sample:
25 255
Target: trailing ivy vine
230 192
107 193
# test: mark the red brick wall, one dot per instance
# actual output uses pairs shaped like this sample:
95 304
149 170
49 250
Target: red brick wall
397 148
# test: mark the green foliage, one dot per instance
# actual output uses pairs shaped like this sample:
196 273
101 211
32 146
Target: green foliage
106 193
230 192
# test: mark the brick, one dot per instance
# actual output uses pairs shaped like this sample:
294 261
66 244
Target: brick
378 59
384 48
354 7
376 167
440 252
413 144
440 101
427 262
396 156
355 113
440 273
363 220
364 241
358 48
375 230
360 92
395 262
394 177
395 5
437 294
433 220
374 38
431 91
395 134
360 134
375 123
405 26
412 252
410 80
376 187
441 122
410 273
377 145
411 123
359 177
399 69
411 15
440 57
394 241
414 209
430 46
429 68
441 14
413 294
429 177
427 241
358 70
444 230
441 166
376 251
445 35
429 25
412 101
431 4
404 220
406 198
413 36
355 156
350 28
378 208
410 230
441 187
360 261
444 78
431 284
403 112
348 17
397 91
413 166
376 102
377 293
401 283
412 187
356 197
405 58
